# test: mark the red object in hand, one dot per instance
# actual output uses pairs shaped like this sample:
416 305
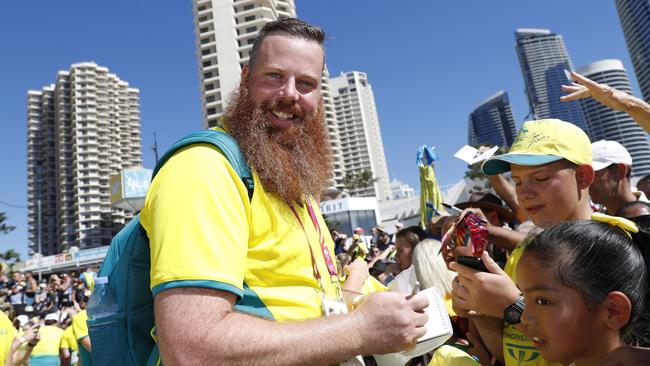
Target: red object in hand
471 226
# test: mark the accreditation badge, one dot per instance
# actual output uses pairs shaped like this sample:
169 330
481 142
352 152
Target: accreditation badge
334 306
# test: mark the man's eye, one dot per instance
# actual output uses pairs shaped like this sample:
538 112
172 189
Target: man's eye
541 301
273 75
307 84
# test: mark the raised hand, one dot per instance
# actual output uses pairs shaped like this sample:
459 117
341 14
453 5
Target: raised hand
585 88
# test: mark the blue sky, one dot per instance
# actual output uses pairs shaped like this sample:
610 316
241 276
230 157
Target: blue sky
430 64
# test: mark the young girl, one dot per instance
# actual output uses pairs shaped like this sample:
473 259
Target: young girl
585 285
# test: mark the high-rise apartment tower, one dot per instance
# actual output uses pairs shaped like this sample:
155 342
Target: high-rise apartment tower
361 143
225 31
635 20
608 124
80 130
543 59
492 122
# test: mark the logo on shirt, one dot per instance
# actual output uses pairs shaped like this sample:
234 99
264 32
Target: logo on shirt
522 353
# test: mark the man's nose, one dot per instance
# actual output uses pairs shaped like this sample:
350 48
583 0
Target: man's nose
288 92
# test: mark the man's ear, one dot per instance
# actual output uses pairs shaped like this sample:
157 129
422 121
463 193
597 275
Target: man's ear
617 310
245 72
621 171
584 176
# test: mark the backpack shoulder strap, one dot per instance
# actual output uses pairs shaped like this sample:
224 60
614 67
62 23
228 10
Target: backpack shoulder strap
226 144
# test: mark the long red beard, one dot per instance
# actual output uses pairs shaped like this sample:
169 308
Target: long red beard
289 162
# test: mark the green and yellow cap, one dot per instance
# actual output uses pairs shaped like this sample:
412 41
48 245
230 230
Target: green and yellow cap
543 142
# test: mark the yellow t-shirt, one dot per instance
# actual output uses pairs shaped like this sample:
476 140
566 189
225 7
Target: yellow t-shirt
69 341
80 331
204 231
518 350
451 356
371 285
50 342
7 335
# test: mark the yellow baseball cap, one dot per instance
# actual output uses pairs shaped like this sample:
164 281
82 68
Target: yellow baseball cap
543 142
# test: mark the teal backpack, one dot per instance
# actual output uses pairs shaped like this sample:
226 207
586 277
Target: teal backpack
125 338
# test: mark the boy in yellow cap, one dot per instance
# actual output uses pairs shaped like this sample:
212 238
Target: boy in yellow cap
550 162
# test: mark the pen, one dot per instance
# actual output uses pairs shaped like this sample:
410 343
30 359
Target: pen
416 288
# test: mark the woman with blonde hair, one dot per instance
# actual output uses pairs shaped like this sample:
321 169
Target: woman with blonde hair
430 267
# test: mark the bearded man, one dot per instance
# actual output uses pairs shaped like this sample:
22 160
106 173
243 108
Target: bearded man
239 280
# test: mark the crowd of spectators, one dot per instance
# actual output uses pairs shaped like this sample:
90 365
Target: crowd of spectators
432 253
41 313
379 250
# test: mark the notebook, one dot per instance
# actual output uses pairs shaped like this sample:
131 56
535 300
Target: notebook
438 326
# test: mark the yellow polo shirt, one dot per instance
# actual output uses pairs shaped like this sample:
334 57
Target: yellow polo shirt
80 330
69 341
7 335
204 231
46 350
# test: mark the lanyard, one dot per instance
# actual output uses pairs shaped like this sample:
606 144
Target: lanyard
323 246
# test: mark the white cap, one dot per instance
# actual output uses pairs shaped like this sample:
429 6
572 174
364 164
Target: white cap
606 153
52 316
22 319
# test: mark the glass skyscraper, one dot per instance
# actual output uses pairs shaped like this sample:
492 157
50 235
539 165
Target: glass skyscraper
544 59
635 20
492 122
608 124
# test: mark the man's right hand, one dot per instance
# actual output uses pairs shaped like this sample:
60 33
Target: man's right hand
391 321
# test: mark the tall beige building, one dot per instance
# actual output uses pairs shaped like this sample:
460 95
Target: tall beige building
361 143
80 130
225 31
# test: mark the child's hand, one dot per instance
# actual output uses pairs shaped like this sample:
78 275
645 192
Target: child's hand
358 266
485 293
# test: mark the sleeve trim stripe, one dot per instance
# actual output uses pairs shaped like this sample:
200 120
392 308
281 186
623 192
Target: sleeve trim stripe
217 285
